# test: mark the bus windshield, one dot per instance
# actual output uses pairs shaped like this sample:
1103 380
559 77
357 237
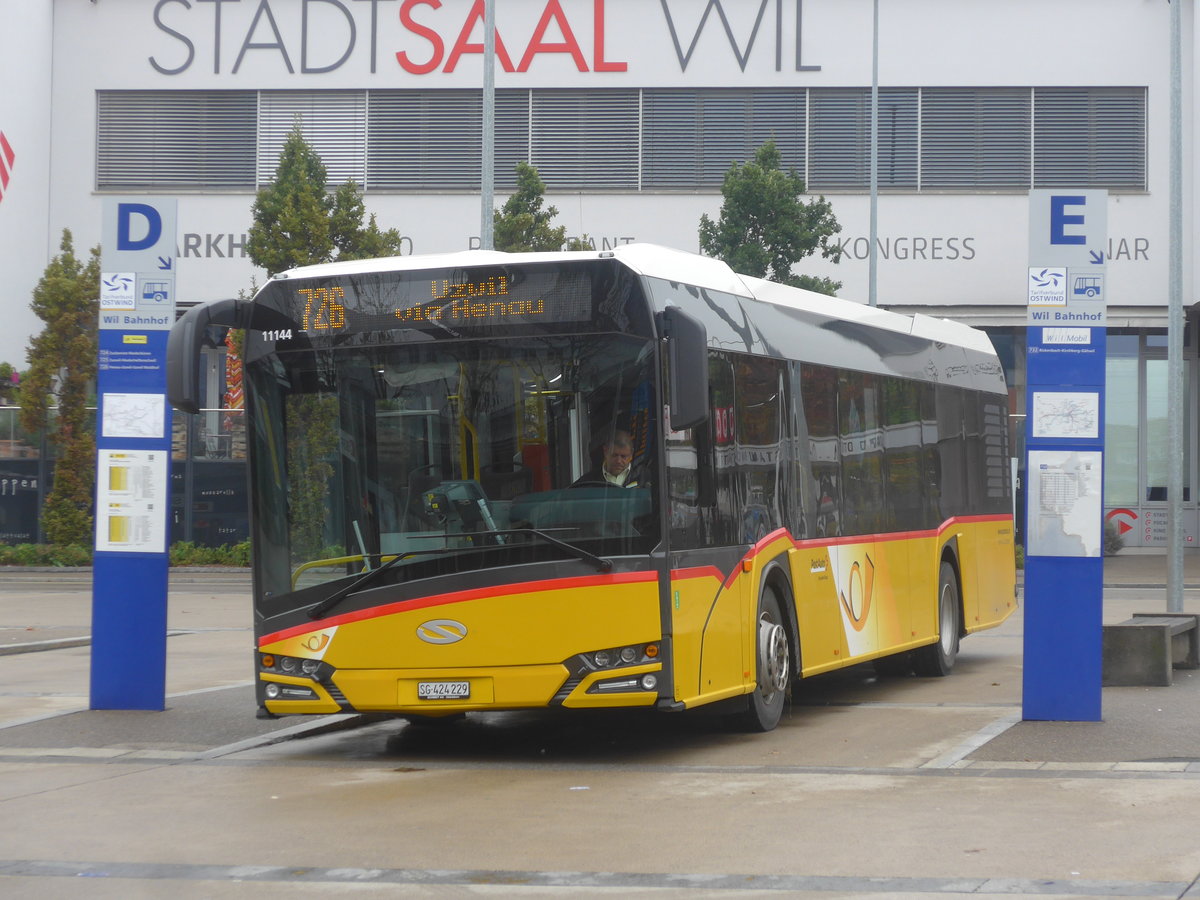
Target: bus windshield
449 456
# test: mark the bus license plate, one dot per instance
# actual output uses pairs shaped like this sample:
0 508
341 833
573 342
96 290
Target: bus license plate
443 690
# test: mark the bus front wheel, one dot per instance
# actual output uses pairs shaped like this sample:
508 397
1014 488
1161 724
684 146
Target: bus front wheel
938 658
773 658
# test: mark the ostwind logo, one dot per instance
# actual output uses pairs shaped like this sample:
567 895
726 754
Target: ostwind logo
6 163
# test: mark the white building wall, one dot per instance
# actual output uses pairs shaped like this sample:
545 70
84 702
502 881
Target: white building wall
25 239
963 252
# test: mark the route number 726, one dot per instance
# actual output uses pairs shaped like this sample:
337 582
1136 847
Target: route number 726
322 311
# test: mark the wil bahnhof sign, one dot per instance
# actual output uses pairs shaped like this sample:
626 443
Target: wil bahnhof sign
133 450
1064 463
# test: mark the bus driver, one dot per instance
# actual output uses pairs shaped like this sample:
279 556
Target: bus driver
614 467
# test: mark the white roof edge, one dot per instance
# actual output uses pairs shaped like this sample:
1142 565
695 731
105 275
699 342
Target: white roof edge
424 261
651 260
656 261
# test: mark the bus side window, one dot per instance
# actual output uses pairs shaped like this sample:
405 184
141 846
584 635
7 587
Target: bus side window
951 452
723 514
819 386
759 445
902 454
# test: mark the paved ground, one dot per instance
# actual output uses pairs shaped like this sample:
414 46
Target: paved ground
44 696
893 787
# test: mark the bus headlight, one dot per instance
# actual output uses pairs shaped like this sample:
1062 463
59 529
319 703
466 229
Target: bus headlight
295 667
614 657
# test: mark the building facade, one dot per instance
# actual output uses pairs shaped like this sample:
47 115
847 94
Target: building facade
632 111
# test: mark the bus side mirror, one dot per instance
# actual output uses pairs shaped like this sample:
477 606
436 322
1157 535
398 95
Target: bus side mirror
185 343
687 367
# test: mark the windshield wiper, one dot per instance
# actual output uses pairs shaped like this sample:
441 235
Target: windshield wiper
601 564
367 578
360 583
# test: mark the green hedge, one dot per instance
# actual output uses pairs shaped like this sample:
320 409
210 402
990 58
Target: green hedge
184 553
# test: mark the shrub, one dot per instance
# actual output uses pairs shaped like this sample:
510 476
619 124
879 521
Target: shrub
45 555
183 553
187 553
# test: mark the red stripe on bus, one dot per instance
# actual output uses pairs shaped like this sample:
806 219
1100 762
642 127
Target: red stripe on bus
375 612
817 543
697 572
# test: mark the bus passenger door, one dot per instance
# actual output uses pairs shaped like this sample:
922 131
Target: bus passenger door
823 644
857 584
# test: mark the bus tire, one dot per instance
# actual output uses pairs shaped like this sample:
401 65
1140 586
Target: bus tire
773 666
938 658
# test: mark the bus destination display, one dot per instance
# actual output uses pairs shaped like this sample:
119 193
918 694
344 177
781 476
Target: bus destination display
447 300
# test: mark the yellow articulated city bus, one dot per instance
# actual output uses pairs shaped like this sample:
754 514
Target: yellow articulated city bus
626 478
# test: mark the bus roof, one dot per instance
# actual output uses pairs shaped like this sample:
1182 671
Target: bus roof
667 263
645 259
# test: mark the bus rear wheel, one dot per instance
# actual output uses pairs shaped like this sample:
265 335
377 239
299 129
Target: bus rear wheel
773 659
938 658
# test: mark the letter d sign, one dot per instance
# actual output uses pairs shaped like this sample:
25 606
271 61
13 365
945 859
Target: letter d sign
138 236
149 226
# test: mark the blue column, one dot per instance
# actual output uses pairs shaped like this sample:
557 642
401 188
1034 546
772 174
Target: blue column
1064 565
133 450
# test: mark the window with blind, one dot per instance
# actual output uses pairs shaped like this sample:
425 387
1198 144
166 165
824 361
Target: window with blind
585 139
334 124
839 136
629 139
975 138
1089 137
423 140
691 138
175 140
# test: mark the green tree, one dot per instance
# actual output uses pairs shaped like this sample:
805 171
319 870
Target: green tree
765 228
297 221
62 372
521 224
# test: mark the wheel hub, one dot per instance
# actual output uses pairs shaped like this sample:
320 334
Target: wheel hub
773 663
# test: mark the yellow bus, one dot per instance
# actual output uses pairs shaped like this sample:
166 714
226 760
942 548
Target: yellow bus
795 483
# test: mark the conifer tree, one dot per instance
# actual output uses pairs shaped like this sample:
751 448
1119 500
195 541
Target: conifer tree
765 228
298 222
62 373
521 224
